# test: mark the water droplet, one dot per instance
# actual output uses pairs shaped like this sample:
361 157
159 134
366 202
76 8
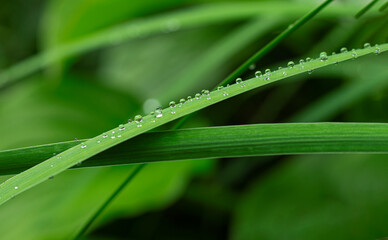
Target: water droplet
172 104
367 45
280 68
51 177
225 94
238 80
308 59
105 136
78 163
377 49
301 63
267 74
258 74
344 50
290 64
121 127
310 71
323 56
198 96
130 120
158 112
252 66
138 120
284 74
118 135
83 145
16 187
98 141
112 137
189 98
220 88
51 165
206 93
354 54
182 101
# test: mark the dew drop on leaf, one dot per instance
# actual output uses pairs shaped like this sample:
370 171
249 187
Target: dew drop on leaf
172 104
158 112
290 64
344 50
323 56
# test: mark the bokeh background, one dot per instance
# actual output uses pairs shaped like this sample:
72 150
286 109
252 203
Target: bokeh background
287 197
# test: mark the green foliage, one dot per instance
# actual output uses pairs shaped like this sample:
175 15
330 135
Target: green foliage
105 61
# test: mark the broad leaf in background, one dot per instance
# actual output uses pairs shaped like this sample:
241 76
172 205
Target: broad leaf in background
317 197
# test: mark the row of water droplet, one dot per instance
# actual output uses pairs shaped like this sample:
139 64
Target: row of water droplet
174 106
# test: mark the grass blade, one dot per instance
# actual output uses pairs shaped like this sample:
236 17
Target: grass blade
240 141
261 53
257 56
126 181
195 17
366 8
104 141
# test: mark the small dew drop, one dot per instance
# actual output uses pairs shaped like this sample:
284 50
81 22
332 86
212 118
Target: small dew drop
98 141
238 80
197 96
377 49
158 112
267 74
308 59
344 50
172 104
182 101
16 187
189 98
290 64
121 127
258 74
130 120
354 54
105 136
83 146
51 177
367 45
138 120
252 67
205 92
220 88
118 135
112 137
323 56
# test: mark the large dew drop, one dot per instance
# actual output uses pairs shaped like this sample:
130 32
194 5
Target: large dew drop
323 56
138 120
158 112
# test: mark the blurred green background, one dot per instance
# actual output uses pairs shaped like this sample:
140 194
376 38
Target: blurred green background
288 197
